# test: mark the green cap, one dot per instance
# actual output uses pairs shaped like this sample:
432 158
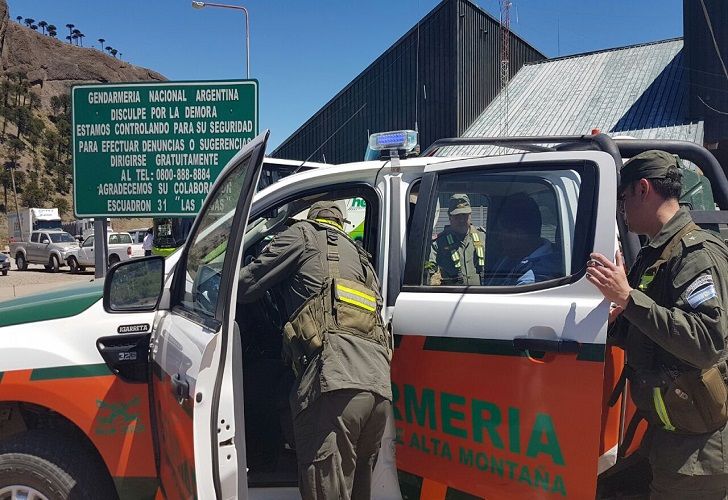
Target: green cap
652 164
328 210
459 204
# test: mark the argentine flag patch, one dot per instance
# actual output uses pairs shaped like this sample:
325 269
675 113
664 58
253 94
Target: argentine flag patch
700 290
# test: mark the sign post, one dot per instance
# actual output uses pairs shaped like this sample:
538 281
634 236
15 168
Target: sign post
147 150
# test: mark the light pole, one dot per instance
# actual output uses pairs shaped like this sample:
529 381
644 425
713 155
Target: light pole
202 5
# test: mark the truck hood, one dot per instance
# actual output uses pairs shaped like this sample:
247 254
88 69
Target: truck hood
57 304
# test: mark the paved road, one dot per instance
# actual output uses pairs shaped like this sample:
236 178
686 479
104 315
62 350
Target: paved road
37 279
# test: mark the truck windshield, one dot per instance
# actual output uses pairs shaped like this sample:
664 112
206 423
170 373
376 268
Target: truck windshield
61 238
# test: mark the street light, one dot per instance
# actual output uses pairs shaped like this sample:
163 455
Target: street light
202 5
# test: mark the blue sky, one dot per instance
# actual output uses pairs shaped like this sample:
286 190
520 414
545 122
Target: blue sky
304 51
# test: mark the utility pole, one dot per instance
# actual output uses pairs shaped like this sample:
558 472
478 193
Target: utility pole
505 75
15 193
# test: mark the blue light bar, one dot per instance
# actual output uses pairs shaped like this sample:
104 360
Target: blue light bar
396 139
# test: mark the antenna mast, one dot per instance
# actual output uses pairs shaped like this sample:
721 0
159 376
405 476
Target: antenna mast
505 75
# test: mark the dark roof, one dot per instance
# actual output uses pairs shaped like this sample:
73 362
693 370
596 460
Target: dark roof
640 91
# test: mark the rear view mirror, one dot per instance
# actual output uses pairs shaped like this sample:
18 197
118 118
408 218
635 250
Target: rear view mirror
134 285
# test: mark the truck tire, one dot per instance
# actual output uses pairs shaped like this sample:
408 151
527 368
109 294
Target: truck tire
113 259
20 262
54 263
73 265
41 463
5 272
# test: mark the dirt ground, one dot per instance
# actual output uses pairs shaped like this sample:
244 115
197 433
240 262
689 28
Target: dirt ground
36 279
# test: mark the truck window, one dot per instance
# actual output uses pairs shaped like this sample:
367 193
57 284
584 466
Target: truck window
124 239
525 221
88 242
61 238
35 237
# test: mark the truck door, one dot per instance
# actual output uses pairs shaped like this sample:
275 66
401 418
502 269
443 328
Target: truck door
498 386
196 347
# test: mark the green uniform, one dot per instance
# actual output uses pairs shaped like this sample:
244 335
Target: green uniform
675 320
457 259
340 398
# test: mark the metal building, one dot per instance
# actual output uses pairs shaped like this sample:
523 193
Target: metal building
705 25
440 75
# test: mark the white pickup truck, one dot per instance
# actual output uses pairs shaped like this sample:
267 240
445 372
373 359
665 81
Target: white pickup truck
120 247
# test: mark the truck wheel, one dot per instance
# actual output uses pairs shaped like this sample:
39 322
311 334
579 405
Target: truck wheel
5 272
38 464
20 262
73 265
82 269
113 259
54 263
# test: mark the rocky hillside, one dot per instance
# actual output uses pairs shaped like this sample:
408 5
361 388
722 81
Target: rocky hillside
36 75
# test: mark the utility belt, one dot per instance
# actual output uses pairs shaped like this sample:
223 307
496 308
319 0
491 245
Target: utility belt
341 306
688 401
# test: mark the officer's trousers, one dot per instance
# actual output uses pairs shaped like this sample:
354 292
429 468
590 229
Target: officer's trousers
674 486
337 441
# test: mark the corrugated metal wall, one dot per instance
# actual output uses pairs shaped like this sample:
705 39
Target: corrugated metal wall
708 81
478 70
458 76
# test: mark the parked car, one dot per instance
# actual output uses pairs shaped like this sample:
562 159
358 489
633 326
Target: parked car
4 264
120 247
49 247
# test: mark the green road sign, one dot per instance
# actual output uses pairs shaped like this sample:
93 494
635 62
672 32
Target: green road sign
155 149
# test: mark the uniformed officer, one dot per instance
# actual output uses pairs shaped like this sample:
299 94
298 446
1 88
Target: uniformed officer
341 352
670 316
457 256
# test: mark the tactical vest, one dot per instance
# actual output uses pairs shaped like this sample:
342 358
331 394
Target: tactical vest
453 247
683 399
341 307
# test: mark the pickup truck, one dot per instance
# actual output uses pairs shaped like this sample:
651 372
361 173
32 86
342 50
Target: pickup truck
120 247
49 247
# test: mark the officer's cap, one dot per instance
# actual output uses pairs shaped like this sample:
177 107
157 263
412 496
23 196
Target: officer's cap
459 204
652 164
328 210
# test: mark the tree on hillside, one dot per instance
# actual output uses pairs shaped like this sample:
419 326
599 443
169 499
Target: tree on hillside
70 33
19 18
114 52
52 33
70 39
34 27
75 39
101 41
81 36
62 205
43 26
29 21
52 27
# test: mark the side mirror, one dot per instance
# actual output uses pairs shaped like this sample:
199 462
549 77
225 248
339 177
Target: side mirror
45 241
134 285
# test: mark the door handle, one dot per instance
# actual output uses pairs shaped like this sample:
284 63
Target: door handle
180 387
561 346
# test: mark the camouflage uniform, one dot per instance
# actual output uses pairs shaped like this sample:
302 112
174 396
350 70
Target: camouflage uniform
456 258
340 399
675 320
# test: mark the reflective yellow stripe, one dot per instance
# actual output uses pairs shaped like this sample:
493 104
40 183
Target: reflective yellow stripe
660 408
479 251
357 303
357 293
330 223
449 239
475 236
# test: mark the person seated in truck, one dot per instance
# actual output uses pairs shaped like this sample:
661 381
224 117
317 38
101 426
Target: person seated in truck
526 257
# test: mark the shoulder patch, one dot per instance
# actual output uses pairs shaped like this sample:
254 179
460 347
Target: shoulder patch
700 291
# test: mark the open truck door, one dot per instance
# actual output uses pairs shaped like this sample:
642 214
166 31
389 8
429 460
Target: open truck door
196 354
494 385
